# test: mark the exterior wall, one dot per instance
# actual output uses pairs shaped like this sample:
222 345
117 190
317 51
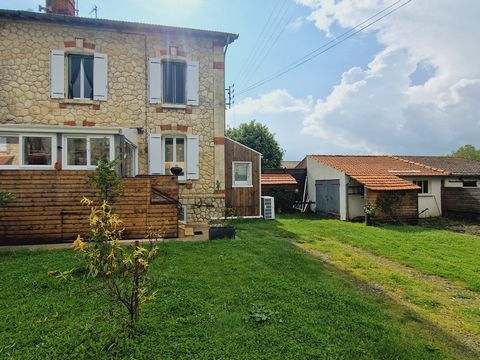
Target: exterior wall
245 201
461 202
25 94
47 206
407 210
457 182
319 171
431 201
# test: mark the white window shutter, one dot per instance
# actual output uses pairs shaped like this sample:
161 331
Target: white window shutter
155 80
155 154
57 74
193 82
193 152
100 76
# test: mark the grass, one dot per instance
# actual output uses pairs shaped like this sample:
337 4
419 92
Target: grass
206 292
434 252
434 273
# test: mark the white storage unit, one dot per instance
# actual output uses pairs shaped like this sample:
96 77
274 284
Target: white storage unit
268 207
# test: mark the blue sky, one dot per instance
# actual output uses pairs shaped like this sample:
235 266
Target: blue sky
401 87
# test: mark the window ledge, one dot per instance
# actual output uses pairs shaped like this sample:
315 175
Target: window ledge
81 101
242 186
173 106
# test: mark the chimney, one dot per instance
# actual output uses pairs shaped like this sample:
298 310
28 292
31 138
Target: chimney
62 7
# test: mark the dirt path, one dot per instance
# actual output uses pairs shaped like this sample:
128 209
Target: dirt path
442 303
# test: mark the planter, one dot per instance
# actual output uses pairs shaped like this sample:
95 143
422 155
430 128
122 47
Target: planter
221 232
175 170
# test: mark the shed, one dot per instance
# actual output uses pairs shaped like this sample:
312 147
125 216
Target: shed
242 179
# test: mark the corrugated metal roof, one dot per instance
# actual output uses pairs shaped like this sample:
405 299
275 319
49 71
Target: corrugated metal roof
378 172
278 179
111 24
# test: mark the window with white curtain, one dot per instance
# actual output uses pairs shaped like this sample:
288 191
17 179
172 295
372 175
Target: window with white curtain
242 173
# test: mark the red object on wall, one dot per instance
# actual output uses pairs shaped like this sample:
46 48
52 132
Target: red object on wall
62 7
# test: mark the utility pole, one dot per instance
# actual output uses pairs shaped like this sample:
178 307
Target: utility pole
230 97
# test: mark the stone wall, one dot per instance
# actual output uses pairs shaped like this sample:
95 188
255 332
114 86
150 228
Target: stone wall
25 93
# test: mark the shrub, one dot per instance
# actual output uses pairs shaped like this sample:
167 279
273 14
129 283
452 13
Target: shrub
6 197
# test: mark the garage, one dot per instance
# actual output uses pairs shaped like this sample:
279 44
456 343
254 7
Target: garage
327 196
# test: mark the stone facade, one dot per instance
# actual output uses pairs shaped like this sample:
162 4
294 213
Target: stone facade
25 93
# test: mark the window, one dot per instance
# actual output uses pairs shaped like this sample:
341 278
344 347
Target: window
27 150
82 151
174 154
80 77
469 183
129 160
174 80
356 190
242 173
423 186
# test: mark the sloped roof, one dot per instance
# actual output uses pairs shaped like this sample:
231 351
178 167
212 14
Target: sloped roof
378 172
278 179
289 164
453 165
112 24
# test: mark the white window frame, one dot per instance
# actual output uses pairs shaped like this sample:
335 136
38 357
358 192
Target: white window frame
175 137
135 156
21 137
82 77
88 137
421 192
169 60
247 183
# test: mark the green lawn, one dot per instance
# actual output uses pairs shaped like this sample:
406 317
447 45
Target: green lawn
205 290
436 252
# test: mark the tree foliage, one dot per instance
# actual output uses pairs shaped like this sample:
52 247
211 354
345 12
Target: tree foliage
468 152
259 138
105 179
5 197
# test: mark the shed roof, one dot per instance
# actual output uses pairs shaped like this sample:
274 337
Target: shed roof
278 179
112 24
378 172
454 165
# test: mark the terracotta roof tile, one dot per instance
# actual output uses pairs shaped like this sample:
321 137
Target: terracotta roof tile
278 179
379 172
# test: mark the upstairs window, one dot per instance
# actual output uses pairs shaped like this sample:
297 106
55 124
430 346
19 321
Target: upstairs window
174 82
80 77
423 186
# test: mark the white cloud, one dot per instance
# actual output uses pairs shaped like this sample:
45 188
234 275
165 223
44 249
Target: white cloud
274 102
376 109
296 24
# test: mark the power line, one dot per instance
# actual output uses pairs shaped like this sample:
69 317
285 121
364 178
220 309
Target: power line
259 41
313 54
273 29
272 43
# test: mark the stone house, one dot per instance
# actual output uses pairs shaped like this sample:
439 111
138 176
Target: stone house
74 90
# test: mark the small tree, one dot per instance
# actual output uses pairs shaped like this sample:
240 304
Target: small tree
259 138
106 180
121 270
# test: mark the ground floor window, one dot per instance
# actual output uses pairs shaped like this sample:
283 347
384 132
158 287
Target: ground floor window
130 159
174 154
27 150
85 151
423 186
242 173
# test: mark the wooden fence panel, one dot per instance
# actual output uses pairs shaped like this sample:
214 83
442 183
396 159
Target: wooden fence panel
47 206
